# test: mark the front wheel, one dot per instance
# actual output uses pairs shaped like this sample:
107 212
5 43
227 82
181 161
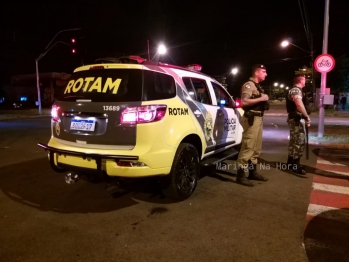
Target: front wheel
184 175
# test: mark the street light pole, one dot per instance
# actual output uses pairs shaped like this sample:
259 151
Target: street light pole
311 52
38 85
47 48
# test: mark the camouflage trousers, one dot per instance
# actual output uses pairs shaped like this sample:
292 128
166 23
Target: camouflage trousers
297 138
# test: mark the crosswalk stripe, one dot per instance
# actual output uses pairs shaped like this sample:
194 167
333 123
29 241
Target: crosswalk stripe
333 168
341 214
331 188
315 210
325 162
330 199
340 181
339 172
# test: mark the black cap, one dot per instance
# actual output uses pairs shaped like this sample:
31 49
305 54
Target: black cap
258 66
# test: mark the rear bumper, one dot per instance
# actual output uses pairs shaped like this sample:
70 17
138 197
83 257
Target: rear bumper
99 163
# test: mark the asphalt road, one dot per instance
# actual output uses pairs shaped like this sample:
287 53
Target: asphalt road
44 219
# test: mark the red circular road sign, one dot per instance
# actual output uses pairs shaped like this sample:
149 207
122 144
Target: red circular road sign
324 63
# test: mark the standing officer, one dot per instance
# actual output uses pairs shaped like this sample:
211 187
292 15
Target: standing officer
298 117
254 102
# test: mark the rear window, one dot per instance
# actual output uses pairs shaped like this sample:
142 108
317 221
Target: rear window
118 85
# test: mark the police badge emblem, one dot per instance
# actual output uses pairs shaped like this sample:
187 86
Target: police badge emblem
208 126
58 129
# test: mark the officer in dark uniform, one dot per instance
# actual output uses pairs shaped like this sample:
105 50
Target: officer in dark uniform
298 117
254 103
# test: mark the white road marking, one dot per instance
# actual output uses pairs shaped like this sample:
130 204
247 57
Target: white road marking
325 162
340 214
338 172
315 210
331 188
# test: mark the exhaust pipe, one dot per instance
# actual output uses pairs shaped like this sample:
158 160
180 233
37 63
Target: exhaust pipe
71 178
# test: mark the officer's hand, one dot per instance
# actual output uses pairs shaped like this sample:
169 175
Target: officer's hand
307 122
264 97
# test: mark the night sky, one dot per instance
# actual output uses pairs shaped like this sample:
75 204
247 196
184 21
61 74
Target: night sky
219 35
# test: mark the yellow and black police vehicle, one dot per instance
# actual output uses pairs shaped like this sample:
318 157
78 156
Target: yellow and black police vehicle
142 118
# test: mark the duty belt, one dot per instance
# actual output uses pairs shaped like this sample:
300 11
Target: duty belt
251 114
254 113
295 115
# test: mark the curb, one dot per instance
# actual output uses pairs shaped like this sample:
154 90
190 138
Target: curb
11 117
332 146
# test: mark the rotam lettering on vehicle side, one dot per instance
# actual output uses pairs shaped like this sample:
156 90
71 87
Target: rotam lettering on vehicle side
178 111
92 84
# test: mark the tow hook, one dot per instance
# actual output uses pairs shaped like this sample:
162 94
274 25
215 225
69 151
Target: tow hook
71 178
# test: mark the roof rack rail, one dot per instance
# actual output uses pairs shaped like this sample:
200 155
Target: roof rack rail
131 59
108 60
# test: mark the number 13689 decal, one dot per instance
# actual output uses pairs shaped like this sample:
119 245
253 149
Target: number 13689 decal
111 108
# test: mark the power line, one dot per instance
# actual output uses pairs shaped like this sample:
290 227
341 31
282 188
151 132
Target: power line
305 19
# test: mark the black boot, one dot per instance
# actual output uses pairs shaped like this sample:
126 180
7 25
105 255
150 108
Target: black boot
241 179
289 160
253 175
290 163
297 168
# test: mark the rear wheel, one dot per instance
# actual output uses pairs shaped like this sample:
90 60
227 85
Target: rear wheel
184 175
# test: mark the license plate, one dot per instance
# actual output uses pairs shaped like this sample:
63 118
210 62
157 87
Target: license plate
82 124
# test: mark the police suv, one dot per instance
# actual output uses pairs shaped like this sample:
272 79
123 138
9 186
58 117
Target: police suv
138 118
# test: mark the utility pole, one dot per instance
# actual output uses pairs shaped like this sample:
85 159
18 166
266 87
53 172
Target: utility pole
323 75
313 70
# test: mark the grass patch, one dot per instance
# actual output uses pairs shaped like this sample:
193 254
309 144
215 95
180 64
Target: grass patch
335 134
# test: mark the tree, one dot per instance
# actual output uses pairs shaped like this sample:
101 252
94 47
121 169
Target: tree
308 73
338 78
2 94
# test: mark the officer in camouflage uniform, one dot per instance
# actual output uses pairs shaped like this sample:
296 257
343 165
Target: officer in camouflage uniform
254 102
298 117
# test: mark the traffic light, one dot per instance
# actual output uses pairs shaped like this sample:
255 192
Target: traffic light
73 42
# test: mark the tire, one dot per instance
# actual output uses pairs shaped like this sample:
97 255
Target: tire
182 180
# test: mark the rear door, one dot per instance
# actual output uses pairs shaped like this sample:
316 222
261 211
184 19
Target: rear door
91 110
90 106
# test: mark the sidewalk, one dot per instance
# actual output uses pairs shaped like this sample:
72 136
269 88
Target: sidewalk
279 108
23 113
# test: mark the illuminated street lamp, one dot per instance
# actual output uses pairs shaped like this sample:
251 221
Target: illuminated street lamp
234 71
162 49
286 43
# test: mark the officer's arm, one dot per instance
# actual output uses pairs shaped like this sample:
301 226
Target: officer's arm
247 101
301 108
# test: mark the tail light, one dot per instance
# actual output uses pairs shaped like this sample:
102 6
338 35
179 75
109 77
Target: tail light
143 114
54 113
